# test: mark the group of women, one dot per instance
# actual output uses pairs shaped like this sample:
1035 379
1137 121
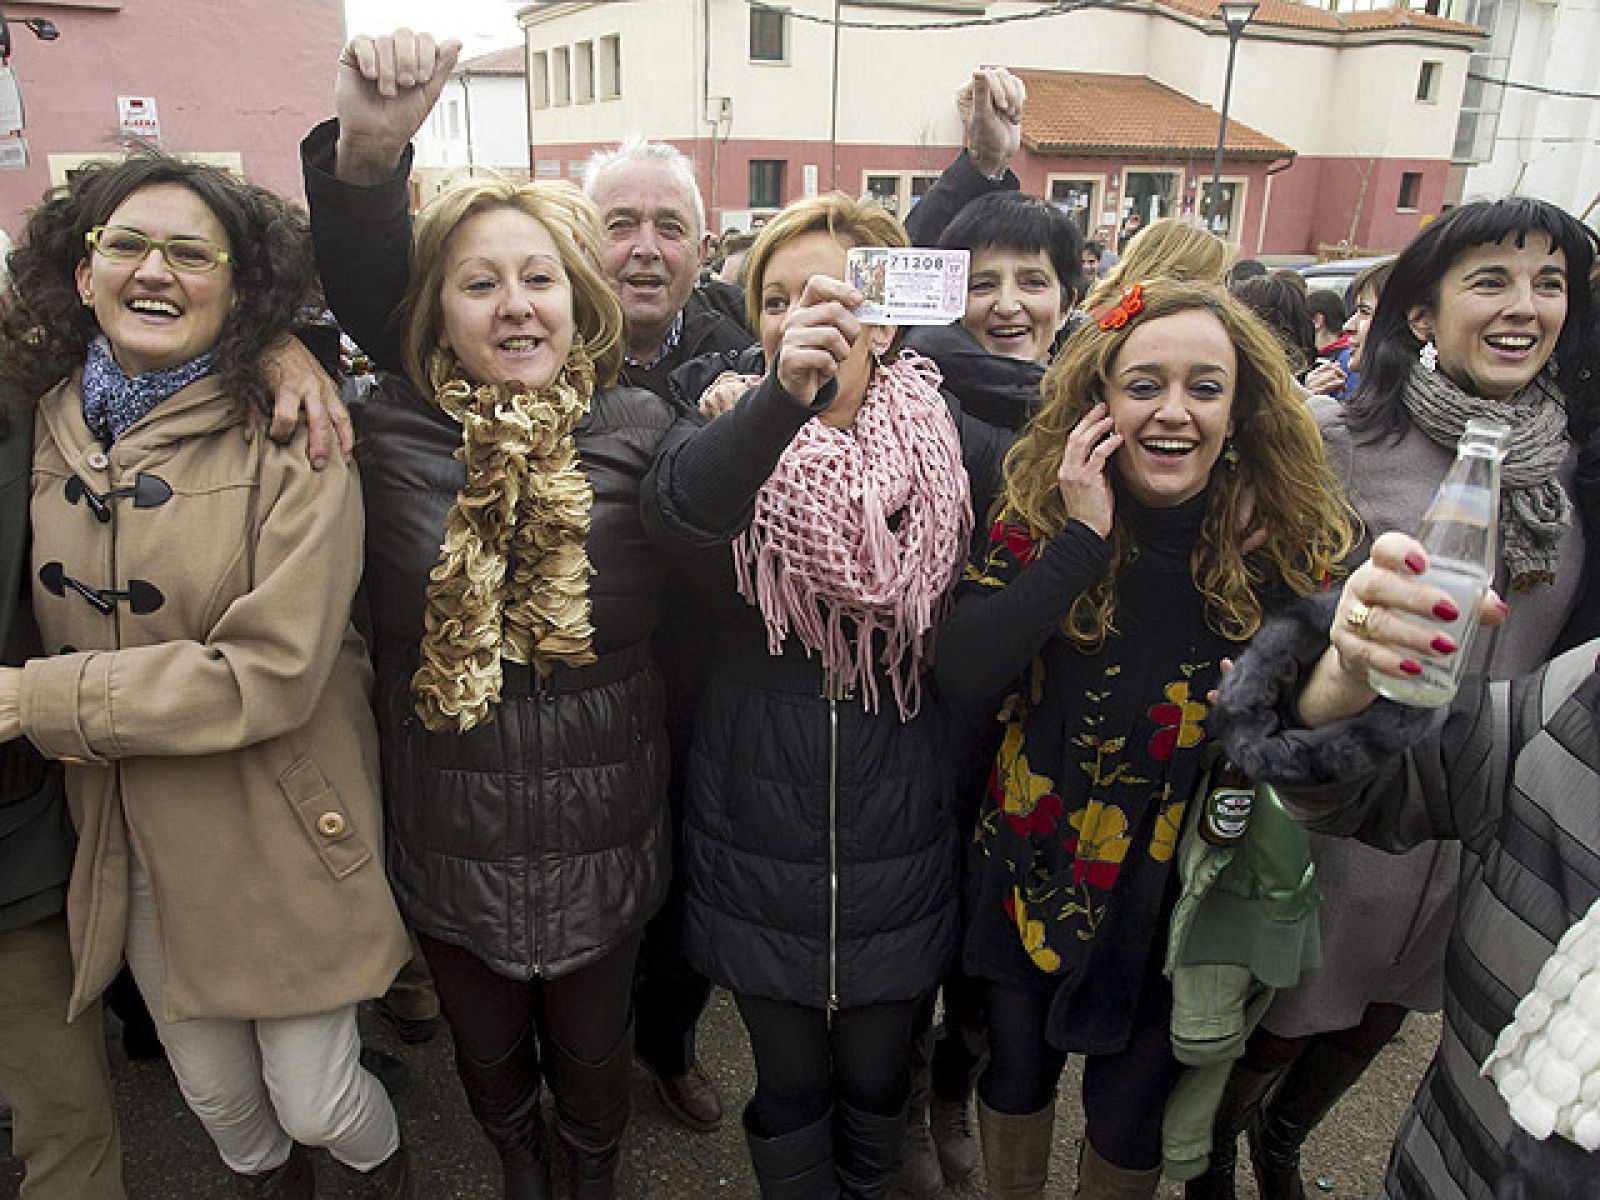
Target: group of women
891 592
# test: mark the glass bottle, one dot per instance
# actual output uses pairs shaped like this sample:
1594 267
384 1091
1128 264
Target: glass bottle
1458 532
1230 800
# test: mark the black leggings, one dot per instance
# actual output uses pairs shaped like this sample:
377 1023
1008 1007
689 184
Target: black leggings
585 1013
1124 1094
806 1062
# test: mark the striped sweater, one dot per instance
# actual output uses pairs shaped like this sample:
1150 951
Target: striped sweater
1513 772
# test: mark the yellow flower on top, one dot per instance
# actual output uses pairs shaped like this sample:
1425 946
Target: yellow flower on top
1102 843
1032 933
1168 826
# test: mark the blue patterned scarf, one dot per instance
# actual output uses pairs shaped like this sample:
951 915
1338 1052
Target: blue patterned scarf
112 401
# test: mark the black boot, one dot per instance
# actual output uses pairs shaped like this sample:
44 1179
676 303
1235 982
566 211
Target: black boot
1313 1085
866 1148
1236 1111
920 1176
389 1180
797 1165
293 1179
591 1115
504 1096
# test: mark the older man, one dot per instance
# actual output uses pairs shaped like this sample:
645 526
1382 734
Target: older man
654 242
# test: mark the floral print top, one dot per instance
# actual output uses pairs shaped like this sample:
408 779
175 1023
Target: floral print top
1070 879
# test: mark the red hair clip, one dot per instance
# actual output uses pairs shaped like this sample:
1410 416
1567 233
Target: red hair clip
1130 306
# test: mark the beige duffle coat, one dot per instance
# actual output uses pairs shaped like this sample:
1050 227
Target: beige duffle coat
215 719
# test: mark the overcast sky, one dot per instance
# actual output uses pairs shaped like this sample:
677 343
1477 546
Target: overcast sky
481 24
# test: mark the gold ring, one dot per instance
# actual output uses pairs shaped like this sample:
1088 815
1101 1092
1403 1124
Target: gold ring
1357 617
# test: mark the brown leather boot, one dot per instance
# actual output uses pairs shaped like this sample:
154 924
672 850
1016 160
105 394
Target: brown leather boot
292 1179
1016 1151
1100 1180
591 1116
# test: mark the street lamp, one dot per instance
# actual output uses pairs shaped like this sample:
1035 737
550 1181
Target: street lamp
1235 15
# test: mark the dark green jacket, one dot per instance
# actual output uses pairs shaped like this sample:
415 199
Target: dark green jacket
35 830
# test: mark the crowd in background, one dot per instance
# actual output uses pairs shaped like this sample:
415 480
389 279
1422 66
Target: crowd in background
644 621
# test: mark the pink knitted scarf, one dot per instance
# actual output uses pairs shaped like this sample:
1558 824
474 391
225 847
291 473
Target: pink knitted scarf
860 532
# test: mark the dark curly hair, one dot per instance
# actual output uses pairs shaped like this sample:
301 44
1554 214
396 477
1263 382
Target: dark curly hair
45 335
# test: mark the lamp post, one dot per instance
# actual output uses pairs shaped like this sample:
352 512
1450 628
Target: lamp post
1235 15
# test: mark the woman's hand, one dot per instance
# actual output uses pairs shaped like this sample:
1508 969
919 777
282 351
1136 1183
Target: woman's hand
818 334
1324 379
1085 488
1386 621
300 386
385 89
10 703
725 392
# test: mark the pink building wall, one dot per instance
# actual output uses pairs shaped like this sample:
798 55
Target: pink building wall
1287 211
247 78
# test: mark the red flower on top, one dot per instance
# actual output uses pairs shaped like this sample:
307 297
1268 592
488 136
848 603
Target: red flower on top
1016 539
1130 306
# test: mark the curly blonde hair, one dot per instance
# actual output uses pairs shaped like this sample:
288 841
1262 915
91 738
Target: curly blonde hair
573 223
1281 485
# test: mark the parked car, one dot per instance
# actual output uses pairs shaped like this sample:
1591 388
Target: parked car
1337 275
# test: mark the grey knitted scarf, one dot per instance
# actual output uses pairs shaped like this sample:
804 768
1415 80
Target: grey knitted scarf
1534 509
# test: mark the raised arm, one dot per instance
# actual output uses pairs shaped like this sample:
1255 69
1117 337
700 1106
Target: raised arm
990 104
356 167
706 475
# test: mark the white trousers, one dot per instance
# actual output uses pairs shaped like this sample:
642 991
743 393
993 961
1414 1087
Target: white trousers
259 1086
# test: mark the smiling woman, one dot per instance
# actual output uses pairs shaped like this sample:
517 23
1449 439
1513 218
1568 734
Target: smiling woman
1114 580
172 557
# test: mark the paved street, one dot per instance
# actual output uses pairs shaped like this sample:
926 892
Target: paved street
169 1158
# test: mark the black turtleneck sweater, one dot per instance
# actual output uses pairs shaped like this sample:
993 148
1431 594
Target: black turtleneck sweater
1069 879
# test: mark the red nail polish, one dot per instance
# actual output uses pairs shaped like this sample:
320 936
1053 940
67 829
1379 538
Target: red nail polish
1504 608
1410 668
1416 563
1446 611
1444 645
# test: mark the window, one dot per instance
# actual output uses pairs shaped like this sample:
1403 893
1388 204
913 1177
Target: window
541 79
885 189
584 86
766 182
547 168
768 35
610 67
1428 82
897 191
452 116
1411 190
561 84
1075 197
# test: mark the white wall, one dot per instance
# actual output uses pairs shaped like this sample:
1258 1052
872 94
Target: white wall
1549 146
495 106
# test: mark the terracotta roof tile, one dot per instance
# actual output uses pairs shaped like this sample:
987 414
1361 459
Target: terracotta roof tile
1289 14
513 60
1079 112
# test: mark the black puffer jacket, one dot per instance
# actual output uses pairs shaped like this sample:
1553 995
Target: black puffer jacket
539 839
820 842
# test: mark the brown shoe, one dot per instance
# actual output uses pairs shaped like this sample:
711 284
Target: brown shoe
692 1098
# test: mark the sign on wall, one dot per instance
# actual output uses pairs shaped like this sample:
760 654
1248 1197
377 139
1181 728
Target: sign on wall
10 103
137 117
13 153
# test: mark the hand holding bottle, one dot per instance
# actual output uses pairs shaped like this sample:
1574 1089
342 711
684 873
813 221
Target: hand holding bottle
1389 621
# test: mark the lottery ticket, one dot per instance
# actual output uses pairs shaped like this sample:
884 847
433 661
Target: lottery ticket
908 286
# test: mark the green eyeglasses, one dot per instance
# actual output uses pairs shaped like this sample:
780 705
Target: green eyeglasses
193 256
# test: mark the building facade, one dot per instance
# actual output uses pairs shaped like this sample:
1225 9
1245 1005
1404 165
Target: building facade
479 127
1342 125
236 84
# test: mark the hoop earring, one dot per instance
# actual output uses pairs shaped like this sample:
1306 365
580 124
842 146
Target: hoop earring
1428 356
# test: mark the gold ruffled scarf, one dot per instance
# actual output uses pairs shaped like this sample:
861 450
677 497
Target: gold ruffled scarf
512 581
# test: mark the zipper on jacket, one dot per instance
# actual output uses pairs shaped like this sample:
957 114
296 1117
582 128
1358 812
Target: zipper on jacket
834 692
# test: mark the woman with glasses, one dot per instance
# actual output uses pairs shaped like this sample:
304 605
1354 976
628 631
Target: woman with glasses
221 755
